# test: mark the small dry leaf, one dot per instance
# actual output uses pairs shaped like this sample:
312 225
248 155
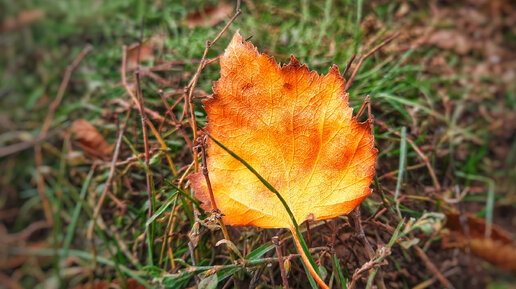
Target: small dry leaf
89 138
296 129
498 249
450 40
24 18
146 53
210 15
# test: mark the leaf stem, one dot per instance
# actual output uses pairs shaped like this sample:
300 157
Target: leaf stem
306 260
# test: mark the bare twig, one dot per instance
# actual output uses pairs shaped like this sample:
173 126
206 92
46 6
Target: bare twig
210 190
423 157
193 83
62 89
46 127
107 187
21 146
348 65
179 126
276 242
355 214
376 261
363 58
308 234
143 117
430 266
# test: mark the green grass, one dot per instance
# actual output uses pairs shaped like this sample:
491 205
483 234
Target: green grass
405 97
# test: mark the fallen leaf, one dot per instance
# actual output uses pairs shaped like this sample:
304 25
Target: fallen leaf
146 51
450 40
89 139
23 19
498 248
296 129
209 16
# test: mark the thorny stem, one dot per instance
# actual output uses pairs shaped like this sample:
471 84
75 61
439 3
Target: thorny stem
355 214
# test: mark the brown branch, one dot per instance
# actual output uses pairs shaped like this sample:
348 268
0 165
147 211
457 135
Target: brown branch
423 157
143 117
275 241
193 83
376 261
212 197
38 156
430 266
21 146
178 125
107 187
62 89
355 214
348 65
378 47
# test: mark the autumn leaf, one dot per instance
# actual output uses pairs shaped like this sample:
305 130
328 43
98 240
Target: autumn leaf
210 15
89 139
296 129
497 247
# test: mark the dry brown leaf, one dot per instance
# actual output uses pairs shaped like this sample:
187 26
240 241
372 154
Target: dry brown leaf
450 40
296 129
209 16
498 249
89 138
24 18
146 53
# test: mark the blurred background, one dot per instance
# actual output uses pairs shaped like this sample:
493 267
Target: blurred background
443 96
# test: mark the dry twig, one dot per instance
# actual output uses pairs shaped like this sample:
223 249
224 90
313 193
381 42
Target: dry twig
46 127
378 47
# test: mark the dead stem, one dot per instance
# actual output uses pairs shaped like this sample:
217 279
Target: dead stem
431 267
376 261
363 58
100 202
46 127
355 214
193 83
348 65
423 157
178 125
210 191
275 241
143 117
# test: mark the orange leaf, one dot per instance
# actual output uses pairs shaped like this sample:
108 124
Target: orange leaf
498 248
296 129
